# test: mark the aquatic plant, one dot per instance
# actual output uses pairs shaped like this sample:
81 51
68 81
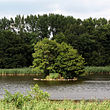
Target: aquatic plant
93 69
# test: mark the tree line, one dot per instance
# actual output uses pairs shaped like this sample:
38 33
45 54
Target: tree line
91 38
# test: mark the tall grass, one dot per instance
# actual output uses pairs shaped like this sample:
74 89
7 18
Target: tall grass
94 69
17 71
28 71
57 105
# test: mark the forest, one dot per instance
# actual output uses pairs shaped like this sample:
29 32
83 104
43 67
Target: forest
90 37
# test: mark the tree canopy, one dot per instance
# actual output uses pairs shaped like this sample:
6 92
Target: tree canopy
52 57
91 37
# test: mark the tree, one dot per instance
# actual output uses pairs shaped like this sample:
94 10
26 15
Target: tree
52 57
56 23
31 23
43 26
14 52
60 37
4 24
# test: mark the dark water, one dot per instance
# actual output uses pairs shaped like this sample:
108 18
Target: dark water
94 87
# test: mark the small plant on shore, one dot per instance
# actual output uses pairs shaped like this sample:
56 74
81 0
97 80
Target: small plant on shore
19 99
53 76
38 94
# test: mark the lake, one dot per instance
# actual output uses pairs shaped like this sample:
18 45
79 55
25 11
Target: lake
92 87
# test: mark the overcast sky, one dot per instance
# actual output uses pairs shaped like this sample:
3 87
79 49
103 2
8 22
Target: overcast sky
76 8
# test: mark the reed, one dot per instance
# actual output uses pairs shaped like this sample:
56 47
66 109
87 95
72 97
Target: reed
94 69
15 71
29 71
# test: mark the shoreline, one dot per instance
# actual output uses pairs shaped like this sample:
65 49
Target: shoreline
18 74
36 79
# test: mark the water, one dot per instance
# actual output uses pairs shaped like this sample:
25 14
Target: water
94 87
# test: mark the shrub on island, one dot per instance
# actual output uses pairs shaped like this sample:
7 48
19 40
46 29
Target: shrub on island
52 57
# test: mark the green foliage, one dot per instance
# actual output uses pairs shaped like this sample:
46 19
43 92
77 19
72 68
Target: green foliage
38 94
38 100
53 76
60 37
52 57
28 71
17 71
69 63
18 36
99 69
58 105
43 25
57 23
14 51
44 56
18 99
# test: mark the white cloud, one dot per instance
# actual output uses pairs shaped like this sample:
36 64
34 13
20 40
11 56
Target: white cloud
77 8
101 14
18 0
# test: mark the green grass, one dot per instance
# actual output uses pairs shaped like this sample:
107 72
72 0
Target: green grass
88 70
94 69
17 71
57 105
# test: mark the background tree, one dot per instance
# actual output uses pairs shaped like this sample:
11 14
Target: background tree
60 37
43 26
89 36
14 52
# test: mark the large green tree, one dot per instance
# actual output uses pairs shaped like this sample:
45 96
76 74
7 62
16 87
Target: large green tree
52 57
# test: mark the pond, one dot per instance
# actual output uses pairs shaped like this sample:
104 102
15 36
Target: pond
92 87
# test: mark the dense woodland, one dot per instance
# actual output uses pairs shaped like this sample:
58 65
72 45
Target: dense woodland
91 37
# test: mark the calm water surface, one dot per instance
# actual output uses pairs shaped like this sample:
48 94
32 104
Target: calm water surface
96 87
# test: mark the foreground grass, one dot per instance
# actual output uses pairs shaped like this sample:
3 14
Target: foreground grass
57 105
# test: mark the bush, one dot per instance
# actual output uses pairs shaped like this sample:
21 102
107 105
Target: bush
19 99
53 76
52 57
38 94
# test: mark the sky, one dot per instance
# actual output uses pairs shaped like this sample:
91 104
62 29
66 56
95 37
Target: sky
77 8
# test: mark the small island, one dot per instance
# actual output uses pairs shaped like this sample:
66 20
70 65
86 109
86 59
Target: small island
57 61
